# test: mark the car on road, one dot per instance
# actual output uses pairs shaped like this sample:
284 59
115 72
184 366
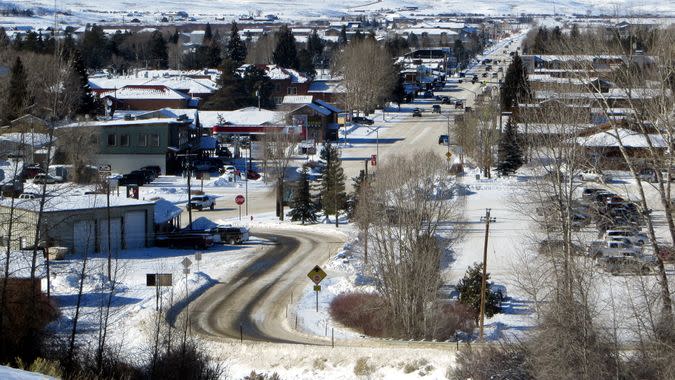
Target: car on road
436 108
135 177
443 139
362 120
594 175
417 112
638 238
29 195
185 239
155 169
609 248
46 179
628 264
446 100
201 202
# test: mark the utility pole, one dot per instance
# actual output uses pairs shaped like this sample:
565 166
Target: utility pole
187 167
483 284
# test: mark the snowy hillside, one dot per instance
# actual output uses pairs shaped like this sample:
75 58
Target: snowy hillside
94 10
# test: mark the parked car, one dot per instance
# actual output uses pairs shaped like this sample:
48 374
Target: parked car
588 193
134 178
634 238
30 171
252 175
612 248
231 235
46 179
443 139
227 169
362 120
185 239
417 112
556 246
29 195
446 100
154 169
628 264
593 175
201 202
436 108
459 104
11 187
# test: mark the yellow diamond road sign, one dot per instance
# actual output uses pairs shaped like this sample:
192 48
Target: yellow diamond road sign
316 275
448 155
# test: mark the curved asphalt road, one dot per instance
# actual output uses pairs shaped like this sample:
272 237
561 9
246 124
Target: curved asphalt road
256 297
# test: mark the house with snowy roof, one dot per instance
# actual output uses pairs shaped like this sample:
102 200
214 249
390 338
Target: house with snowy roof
130 140
284 81
146 97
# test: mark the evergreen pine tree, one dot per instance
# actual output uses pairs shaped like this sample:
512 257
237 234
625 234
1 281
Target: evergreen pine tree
398 94
174 37
305 64
304 207
460 53
17 95
469 292
315 46
231 94
515 88
4 39
358 36
285 54
208 35
333 196
158 52
509 153
255 80
236 49
413 41
87 103
574 33
93 47
342 39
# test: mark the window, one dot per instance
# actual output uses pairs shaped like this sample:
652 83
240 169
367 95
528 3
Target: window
124 140
292 91
154 139
278 99
112 139
142 139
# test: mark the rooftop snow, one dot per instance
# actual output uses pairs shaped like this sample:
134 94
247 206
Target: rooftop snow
144 92
73 202
629 139
165 211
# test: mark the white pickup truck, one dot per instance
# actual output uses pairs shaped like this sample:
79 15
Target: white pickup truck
602 248
201 202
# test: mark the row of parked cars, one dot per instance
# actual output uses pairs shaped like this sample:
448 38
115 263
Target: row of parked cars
619 222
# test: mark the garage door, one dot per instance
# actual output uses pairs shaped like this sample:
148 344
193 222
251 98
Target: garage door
134 229
115 235
84 236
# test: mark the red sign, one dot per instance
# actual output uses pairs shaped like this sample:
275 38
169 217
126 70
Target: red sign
373 160
239 199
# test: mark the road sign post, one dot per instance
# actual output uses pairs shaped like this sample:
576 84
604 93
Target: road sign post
158 280
239 200
317 275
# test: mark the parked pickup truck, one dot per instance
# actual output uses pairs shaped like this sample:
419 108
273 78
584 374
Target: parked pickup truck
231 235
185 240
612 248
221 233
201 202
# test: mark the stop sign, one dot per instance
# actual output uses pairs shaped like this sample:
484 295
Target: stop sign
239 199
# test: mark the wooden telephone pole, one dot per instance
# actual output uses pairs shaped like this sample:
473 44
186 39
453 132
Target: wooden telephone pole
483 284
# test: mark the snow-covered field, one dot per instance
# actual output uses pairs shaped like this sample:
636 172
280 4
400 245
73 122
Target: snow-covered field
83 11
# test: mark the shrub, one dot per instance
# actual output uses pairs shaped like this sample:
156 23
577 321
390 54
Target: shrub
359 310
261 376
363 368
493 362
187 361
